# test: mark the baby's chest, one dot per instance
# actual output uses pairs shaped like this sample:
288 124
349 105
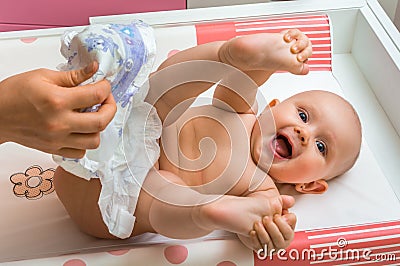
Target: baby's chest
211 149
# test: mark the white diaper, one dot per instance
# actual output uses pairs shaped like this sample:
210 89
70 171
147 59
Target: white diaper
128 147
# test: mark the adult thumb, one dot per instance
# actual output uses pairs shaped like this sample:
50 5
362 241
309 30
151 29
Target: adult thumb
73 78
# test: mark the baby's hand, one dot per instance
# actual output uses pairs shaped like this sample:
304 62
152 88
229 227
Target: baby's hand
273 234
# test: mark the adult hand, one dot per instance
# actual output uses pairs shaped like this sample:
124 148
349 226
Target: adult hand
40 109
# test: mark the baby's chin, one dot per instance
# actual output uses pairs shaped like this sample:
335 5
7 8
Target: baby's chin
280 178
277 180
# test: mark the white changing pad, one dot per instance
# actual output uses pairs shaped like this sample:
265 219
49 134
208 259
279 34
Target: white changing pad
40 227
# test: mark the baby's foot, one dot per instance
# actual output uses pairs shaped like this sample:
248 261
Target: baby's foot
286 51
235 214
301 47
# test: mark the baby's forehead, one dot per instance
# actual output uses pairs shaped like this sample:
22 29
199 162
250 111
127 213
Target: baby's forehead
317 96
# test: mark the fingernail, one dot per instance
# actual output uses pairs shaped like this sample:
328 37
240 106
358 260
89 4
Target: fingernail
295 48
88 69
288 37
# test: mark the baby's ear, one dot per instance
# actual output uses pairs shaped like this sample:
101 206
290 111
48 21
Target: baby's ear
273 102
315 187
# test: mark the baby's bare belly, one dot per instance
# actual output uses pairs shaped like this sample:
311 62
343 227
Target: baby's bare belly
204 151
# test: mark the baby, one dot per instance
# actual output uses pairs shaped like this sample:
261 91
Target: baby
217 164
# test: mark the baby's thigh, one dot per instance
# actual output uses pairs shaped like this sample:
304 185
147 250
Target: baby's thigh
79 197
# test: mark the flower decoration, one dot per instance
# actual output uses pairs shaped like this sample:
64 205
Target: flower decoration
34 183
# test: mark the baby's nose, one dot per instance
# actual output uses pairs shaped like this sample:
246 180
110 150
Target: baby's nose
303 134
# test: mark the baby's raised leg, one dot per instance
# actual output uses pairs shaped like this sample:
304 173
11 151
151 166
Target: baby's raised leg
169 207
153 213
163 207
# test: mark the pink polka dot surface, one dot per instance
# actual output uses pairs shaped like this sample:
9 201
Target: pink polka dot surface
74 262
118 252
176 254
172 52
226 263
28 40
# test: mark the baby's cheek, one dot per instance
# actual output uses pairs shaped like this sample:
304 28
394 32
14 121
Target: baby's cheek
310 170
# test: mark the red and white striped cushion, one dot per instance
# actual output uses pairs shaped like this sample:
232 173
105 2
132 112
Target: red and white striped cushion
367 244
316 27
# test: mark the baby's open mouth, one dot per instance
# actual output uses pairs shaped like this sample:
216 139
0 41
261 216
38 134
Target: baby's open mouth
283 147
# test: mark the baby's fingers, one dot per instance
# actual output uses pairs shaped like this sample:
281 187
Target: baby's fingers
286 227
279 230
290 219
263 237
256 245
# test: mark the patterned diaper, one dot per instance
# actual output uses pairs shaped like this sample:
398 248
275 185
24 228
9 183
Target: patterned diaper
128 147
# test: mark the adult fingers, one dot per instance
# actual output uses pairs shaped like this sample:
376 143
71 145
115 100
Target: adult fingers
87 95
73 78
92 122
77 141
70 153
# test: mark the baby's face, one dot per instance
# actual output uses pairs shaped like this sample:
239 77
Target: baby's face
317 136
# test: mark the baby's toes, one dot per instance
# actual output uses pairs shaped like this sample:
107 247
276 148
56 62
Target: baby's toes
300 45
304 69
292 34
301 58
305 54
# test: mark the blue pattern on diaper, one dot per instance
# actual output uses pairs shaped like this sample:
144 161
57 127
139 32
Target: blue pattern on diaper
135 57
129 58
100 42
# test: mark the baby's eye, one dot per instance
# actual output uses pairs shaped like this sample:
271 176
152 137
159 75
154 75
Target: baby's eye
321 147
303 116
